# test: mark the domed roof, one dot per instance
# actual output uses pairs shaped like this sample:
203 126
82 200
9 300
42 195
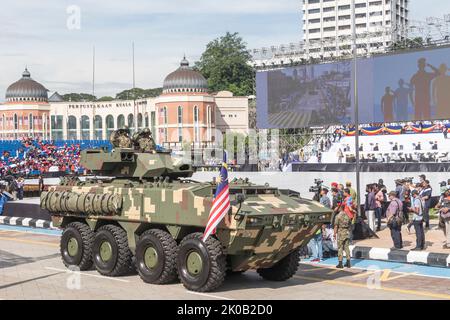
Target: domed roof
184 79
26 89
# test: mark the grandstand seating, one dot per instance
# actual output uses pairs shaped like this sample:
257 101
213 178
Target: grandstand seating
386 143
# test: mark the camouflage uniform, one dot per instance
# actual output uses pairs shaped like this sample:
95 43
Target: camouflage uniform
343 225
144 141
121 138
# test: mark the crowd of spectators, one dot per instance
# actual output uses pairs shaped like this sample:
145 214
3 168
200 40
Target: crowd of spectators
35 157
406 207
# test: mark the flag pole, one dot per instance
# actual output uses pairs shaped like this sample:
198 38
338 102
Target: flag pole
134 93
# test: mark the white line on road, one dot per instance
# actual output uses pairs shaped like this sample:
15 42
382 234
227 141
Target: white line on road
87 274
366 269
209 295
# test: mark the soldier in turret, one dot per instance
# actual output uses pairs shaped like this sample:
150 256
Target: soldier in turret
143 140
121 138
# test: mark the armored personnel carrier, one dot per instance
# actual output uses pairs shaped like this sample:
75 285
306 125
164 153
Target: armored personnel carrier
146 213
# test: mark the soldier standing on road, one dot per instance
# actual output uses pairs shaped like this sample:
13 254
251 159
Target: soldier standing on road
342 229
342 226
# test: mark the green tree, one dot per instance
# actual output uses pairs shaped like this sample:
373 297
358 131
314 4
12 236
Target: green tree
225 64
409 43
79 97
138 93
105 98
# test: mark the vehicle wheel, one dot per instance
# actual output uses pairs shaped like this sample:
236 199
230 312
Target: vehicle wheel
110 251
284 269
156 257
76 245
201 265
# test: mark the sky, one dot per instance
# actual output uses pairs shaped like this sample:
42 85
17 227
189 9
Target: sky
55 38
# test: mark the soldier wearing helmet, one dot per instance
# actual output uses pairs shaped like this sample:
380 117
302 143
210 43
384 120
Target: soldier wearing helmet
143 140
121 138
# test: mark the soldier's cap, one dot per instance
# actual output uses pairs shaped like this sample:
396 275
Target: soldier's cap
334 185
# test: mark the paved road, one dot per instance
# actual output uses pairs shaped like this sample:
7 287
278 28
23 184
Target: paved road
30 268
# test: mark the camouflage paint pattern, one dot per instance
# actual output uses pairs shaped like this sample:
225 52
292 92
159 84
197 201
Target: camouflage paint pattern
264 228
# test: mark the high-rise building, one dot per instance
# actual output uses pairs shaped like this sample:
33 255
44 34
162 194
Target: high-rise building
328 25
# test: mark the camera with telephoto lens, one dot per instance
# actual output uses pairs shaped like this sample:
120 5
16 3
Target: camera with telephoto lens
408 179
316 189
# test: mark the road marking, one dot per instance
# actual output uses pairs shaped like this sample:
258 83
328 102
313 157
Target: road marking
27 229
31 242
209 295
12 233
363 274
386 279
359 285
335 271
87 274
360 268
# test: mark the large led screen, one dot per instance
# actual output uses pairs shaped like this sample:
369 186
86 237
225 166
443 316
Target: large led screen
304 96
391 88
410 86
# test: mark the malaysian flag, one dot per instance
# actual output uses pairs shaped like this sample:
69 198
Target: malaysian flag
221 202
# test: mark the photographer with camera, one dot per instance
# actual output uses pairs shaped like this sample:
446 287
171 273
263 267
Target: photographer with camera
394 215
316 189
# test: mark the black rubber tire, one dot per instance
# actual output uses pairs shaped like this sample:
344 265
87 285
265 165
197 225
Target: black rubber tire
121 260
167 249
213 258
84 236
284 269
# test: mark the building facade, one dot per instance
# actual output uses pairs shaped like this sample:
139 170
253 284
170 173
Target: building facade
26 110
328 25
185 113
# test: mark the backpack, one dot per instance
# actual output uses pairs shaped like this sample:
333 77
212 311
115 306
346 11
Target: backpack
397 218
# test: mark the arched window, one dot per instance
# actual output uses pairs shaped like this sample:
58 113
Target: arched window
85 126
30 121
98 128
146 120
16 122
109 125
130 121
196 125
165 115
120 121
180 115
139 119
72 128
209 115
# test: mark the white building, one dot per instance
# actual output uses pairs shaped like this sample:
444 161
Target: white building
328 25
